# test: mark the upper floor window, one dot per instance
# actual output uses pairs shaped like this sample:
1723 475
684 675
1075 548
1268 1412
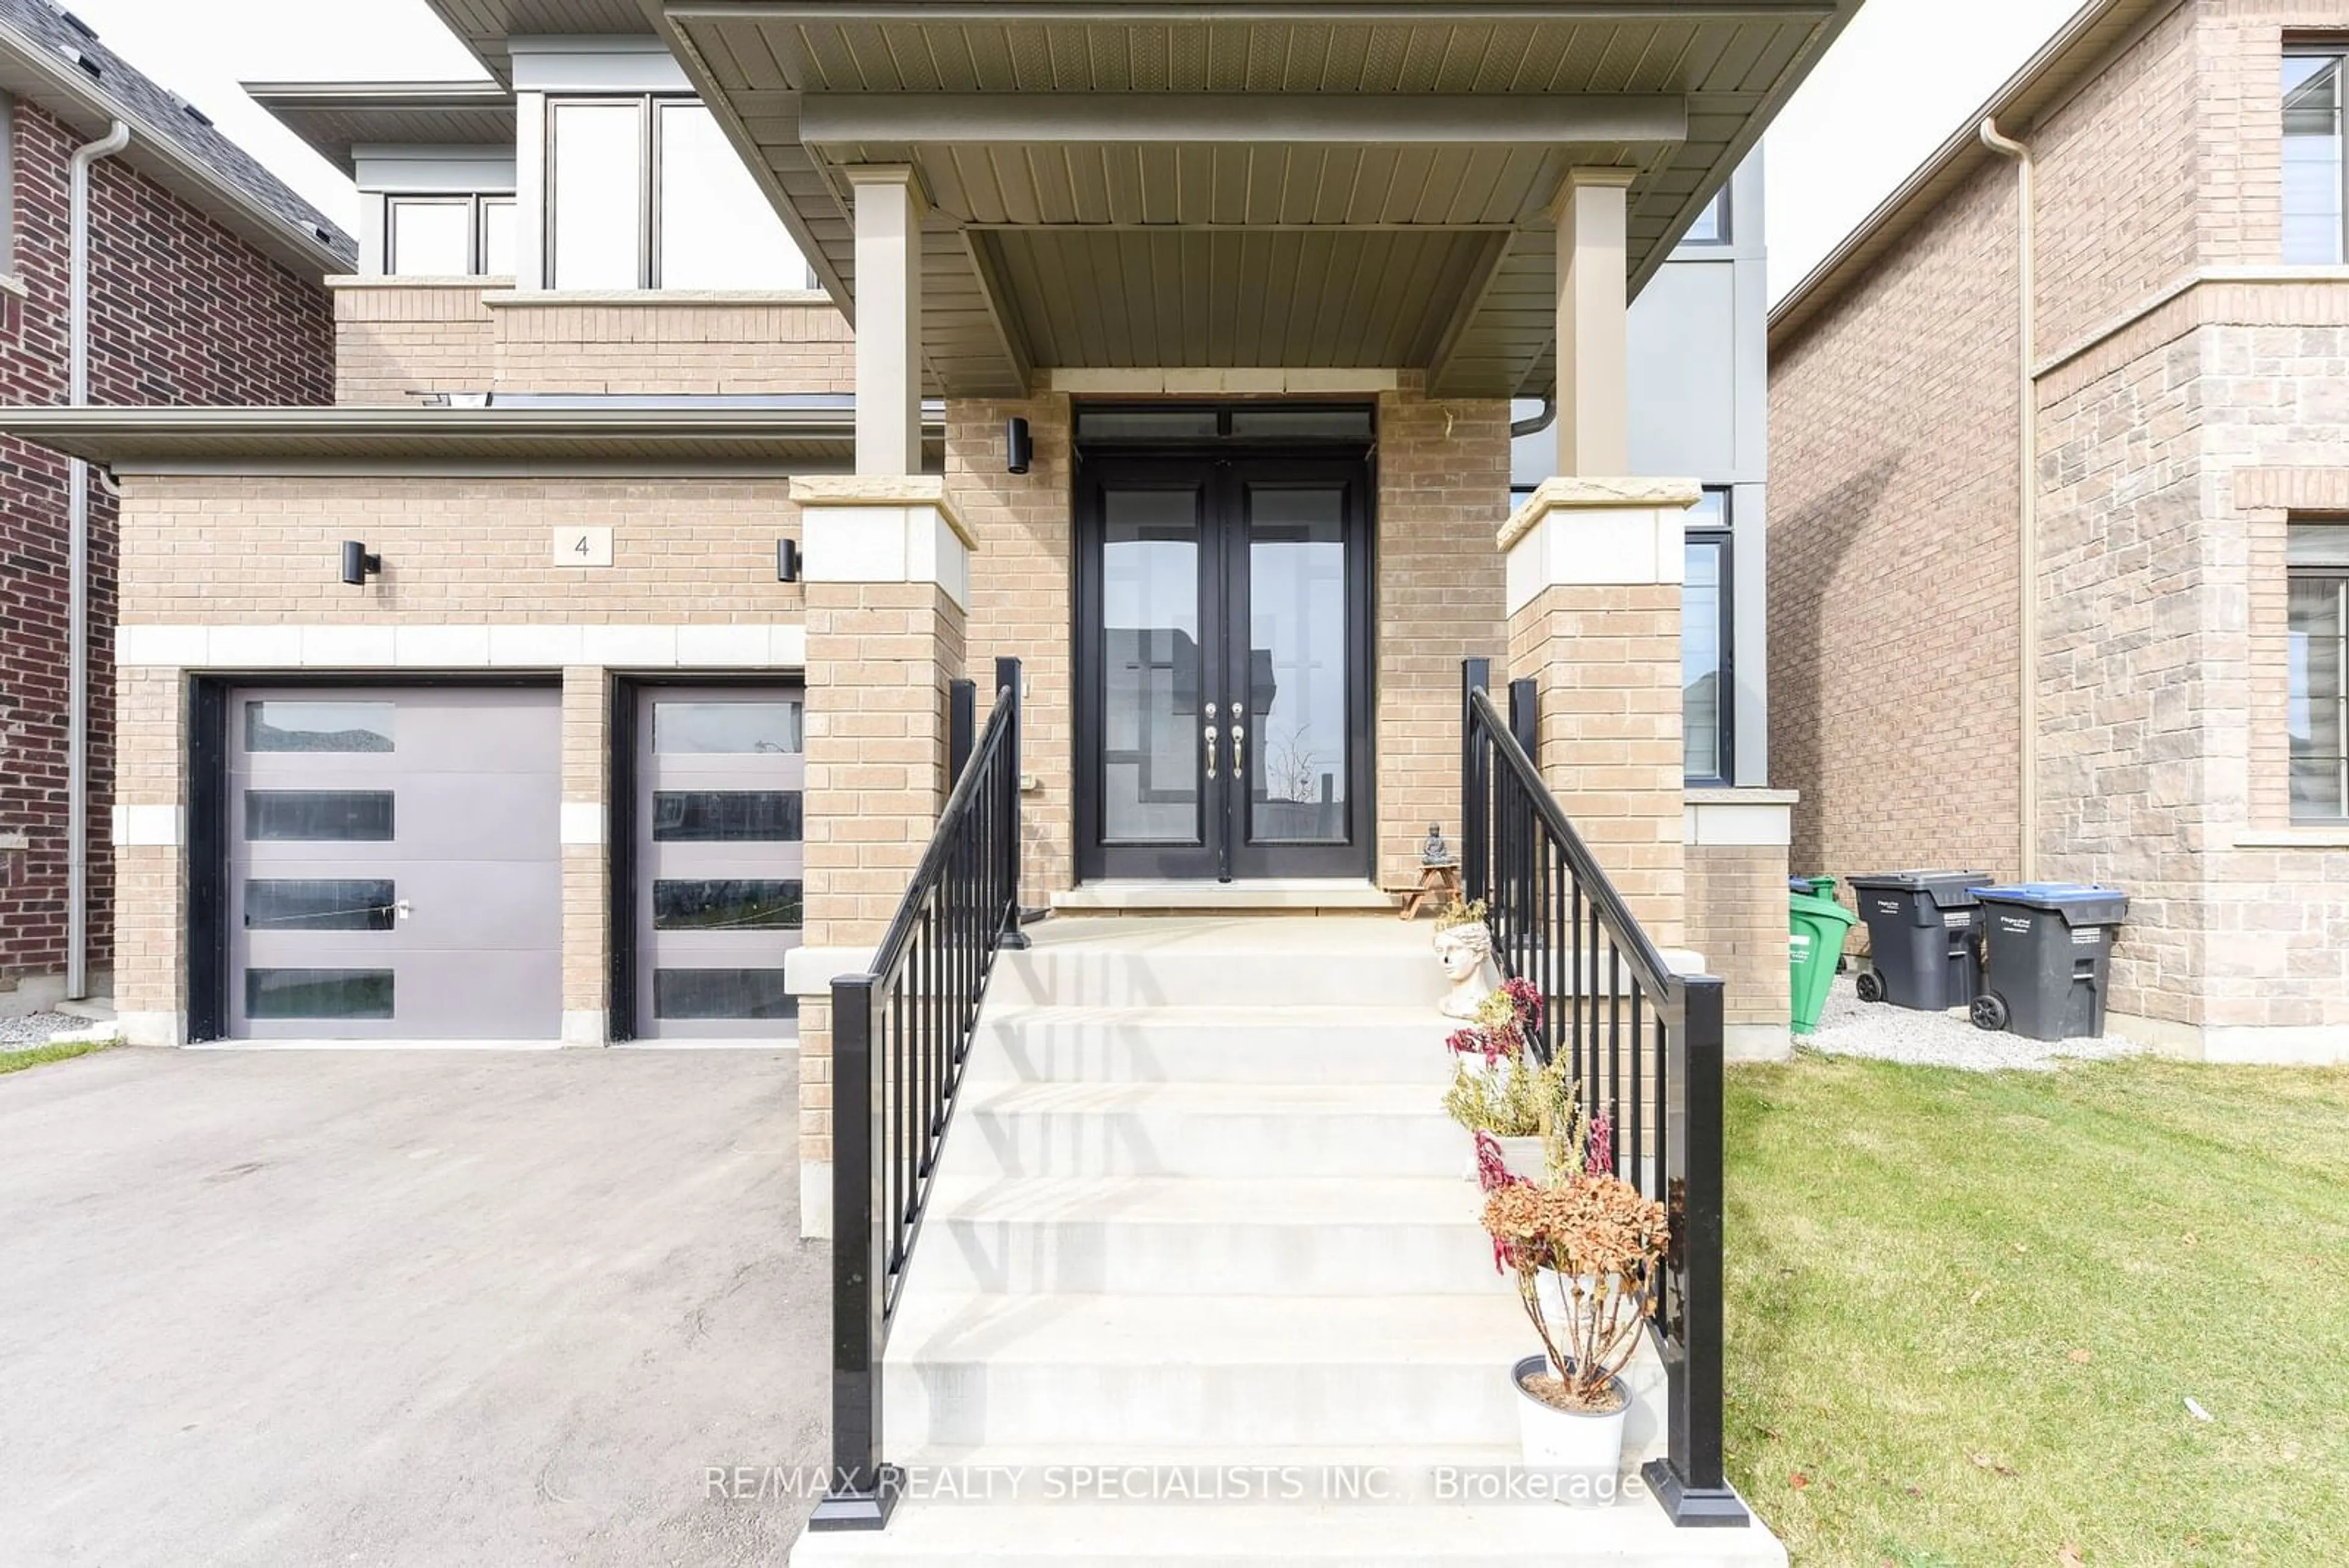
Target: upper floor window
2312 165
449 236
2319 682
646 192
1712 225
1707 698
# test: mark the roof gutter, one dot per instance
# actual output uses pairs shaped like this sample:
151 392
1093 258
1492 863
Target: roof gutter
2026 504
78 577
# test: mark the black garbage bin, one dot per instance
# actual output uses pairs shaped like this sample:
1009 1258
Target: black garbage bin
1921 926
2051 954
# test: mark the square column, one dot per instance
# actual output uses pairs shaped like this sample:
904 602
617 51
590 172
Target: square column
1594 430
888 593
889 209
1595 568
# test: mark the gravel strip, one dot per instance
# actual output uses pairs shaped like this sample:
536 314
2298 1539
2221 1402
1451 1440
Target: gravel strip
37 1028
1850 1027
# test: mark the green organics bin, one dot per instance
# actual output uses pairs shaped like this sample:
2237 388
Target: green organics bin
1816 927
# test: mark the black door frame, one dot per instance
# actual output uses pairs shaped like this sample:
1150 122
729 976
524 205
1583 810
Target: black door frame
1220 472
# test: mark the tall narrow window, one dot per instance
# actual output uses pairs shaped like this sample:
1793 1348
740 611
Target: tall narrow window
717 228
2313 168
597 154
498 236
2319 656
1706 698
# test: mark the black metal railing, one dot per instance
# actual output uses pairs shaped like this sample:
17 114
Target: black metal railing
900 1035
1644 1046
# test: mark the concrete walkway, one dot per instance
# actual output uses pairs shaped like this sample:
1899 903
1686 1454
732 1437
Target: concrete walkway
394 1308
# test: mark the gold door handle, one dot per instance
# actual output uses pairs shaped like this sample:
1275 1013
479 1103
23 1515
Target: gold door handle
1211 753
1239 750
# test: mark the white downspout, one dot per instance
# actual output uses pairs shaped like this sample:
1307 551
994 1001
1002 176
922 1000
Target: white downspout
77 582
2027 506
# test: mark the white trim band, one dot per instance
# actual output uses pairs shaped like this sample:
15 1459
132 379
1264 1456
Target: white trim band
522 645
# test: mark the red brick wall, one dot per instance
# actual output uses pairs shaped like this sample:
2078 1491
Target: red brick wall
182 312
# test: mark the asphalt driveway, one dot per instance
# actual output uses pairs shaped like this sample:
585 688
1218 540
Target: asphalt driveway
402 1308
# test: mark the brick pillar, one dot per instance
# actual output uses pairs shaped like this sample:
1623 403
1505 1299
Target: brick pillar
151 856
1736 846
1595 568
889 589
586 869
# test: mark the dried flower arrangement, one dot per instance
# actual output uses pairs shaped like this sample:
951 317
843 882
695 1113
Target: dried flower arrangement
1461 912
1605 1243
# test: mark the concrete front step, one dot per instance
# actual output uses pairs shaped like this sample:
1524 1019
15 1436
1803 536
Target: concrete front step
1213 1374
1332 1044
1176 962
1633 1534
1203 1129
1203 1236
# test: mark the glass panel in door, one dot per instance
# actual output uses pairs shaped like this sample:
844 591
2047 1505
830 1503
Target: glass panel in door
1150 658
1298 758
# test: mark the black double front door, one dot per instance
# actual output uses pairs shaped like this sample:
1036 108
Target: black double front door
1223 657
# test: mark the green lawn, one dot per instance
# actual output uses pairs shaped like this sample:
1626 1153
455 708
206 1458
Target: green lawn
1967 1310
35 1055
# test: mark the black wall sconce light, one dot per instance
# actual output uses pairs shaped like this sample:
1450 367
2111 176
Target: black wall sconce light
787 560
1018 447
358 564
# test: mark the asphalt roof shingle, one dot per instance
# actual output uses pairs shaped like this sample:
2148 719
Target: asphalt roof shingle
157 111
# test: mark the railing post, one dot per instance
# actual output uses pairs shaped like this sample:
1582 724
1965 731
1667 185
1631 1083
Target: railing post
1688 1481
962 728
1476 795
863 1489
1007 679
1524 716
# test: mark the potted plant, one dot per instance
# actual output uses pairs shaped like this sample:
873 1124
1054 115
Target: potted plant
1501 1092
1604 1243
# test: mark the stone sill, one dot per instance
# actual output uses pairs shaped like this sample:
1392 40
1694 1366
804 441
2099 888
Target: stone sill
2317 835
13 284
1732 796
355 280
656 298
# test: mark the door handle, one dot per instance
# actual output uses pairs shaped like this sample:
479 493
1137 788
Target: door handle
1240 742
1211 753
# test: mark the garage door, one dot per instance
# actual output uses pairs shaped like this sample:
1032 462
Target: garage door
720 774
395 864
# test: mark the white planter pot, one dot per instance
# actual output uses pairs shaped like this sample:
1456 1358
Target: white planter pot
1520 1157
1575 1458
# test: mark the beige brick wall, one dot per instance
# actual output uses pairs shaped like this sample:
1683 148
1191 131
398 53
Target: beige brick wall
150 913
2116 216
1892 556
671 344
396 342
1022 606
1737 920
245 549
880 657
1443 494
1606 663
586 869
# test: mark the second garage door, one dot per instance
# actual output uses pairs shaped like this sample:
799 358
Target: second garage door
395 864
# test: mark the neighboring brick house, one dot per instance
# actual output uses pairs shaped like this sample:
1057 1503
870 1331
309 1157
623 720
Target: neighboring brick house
205 287
2130 671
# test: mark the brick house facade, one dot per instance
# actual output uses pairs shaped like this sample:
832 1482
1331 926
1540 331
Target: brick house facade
2185 419
184 309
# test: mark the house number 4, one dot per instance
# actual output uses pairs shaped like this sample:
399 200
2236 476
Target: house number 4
582 546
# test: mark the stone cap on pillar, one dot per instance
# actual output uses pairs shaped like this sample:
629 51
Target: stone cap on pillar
1586 533
884 528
